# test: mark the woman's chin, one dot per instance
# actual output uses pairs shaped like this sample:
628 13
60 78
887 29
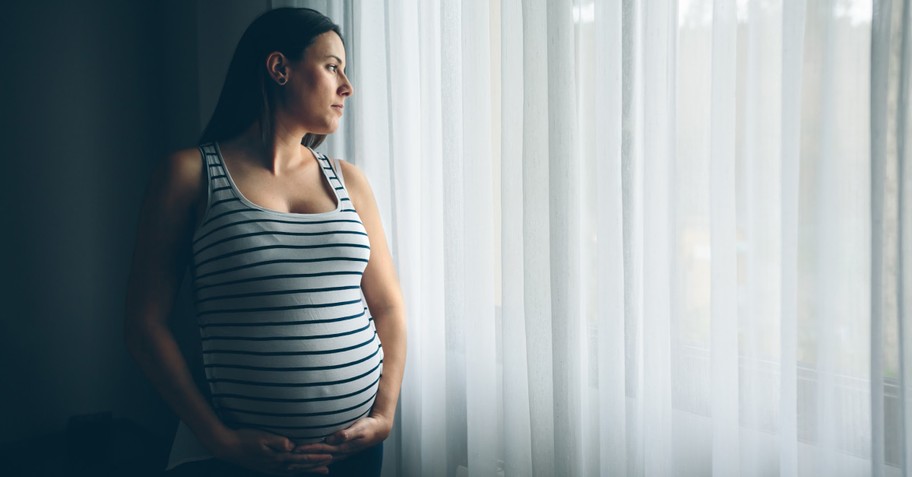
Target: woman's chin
325 129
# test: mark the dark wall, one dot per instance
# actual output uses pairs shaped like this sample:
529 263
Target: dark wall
93 93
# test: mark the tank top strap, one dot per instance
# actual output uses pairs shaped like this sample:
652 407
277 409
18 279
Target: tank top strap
220 189
210 155
334 177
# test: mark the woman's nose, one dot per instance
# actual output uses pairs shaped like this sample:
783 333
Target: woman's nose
347 88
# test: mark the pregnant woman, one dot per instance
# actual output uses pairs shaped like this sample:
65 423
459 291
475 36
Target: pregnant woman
301 318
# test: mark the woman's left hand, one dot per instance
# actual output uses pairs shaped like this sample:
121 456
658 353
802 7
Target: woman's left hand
364 433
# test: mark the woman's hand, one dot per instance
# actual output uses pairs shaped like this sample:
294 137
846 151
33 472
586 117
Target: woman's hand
364 433
270 453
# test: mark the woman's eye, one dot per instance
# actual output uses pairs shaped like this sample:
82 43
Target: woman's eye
334 67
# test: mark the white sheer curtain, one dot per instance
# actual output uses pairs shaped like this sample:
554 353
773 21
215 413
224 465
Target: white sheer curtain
643 237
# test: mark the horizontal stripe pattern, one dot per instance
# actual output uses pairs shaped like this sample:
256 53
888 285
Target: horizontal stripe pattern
288 342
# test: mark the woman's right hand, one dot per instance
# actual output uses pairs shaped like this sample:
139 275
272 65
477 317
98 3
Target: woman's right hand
269 453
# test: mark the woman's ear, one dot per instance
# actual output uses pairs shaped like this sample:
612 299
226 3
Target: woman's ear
277 66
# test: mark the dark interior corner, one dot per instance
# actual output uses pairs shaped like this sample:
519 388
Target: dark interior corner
93 95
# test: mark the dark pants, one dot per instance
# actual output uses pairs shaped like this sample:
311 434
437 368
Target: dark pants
366 463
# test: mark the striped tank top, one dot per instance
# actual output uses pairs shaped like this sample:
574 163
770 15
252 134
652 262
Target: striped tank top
288 342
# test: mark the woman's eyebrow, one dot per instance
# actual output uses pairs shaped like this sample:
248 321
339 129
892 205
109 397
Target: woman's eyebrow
336 57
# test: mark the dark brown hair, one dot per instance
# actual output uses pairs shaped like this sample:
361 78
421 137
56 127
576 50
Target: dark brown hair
248 94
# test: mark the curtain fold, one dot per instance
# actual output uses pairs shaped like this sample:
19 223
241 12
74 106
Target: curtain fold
516 405
657 187
535 211
432 339
891 60
723 228
606 294
904 249
478 239
793 34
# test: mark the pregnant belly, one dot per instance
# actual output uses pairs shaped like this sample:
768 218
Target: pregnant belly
303 381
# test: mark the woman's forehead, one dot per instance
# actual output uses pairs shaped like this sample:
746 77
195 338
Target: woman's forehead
328 45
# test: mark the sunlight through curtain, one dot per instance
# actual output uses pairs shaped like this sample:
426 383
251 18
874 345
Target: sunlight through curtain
640 238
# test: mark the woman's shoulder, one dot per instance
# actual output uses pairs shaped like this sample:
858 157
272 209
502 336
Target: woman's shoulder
357 185
183 168
179 176
185 161
355 180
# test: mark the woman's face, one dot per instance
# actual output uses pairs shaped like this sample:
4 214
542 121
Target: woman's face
317 86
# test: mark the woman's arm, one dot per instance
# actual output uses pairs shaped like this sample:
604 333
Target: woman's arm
160 259
380 286
162 252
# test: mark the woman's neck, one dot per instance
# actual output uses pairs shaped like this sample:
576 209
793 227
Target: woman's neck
283 153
